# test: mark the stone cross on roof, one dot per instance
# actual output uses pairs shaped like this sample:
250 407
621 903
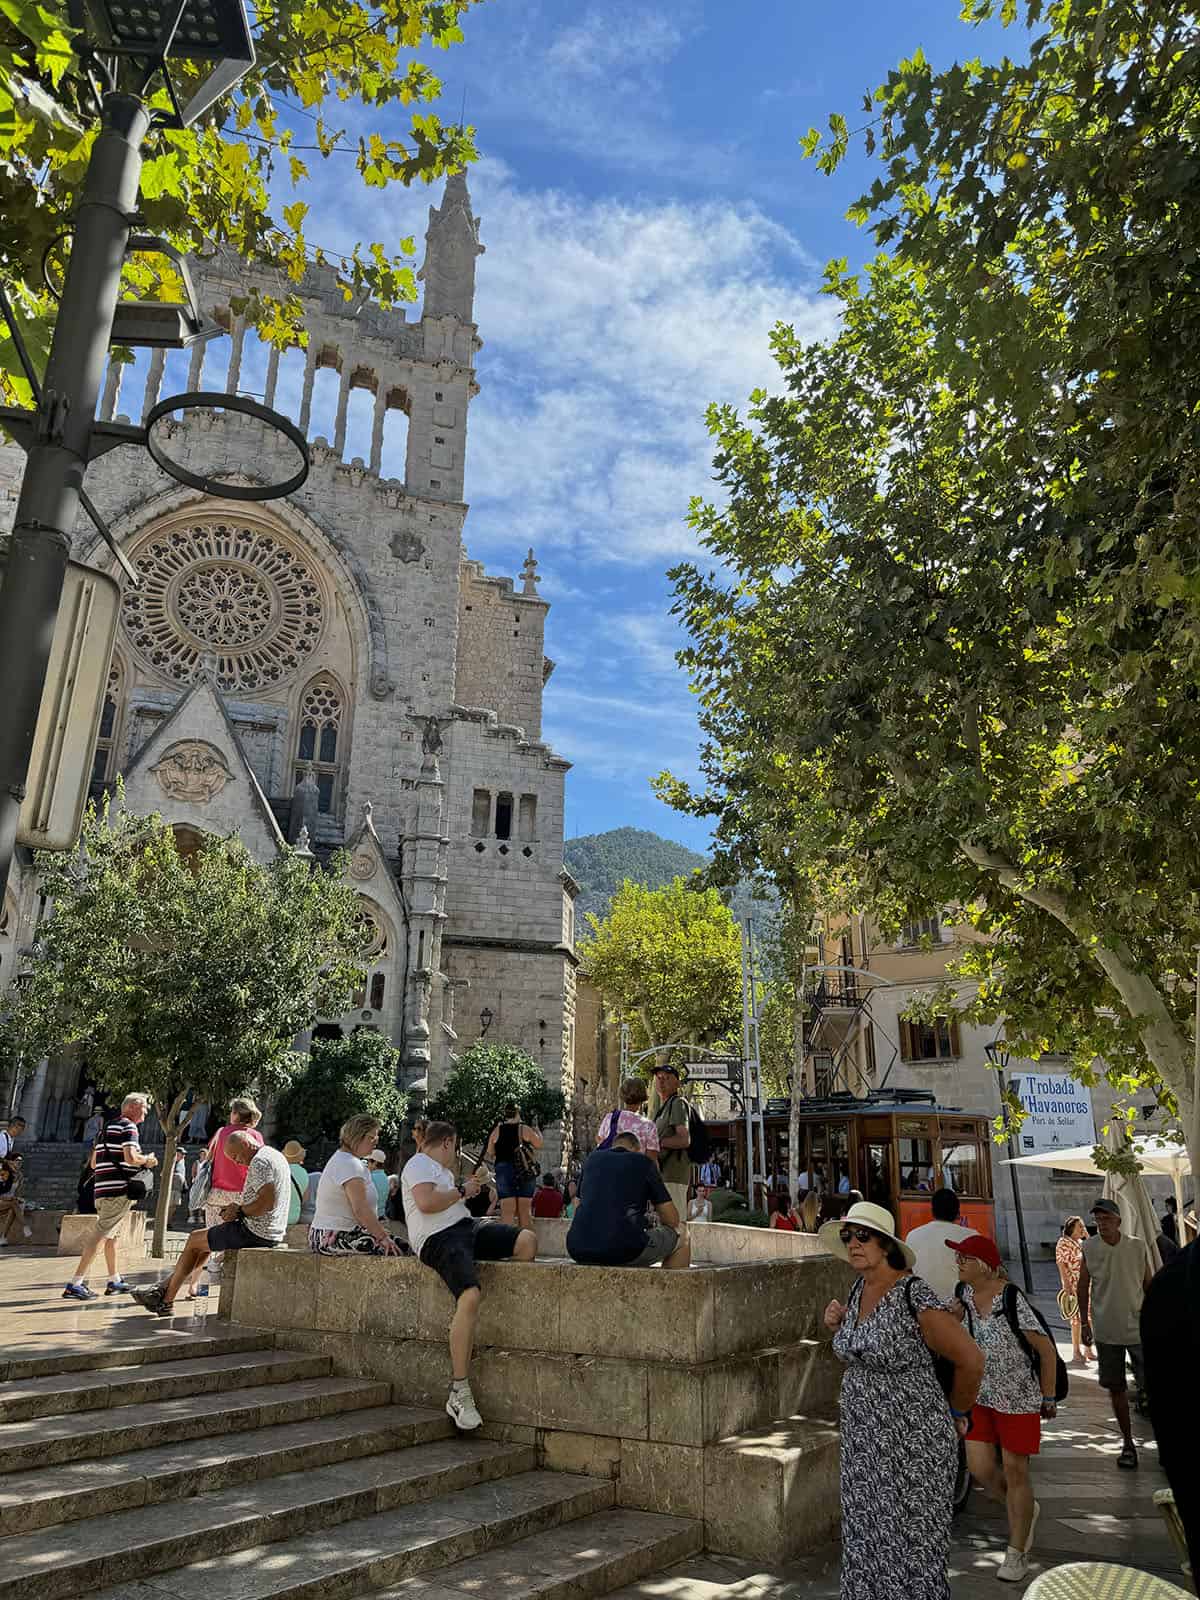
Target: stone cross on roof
529 574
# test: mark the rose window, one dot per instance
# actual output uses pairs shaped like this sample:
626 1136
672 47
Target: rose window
232 593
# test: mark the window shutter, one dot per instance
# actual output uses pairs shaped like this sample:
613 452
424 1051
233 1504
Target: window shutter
954 1043
906 1041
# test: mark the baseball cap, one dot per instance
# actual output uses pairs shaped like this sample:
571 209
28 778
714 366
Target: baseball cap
1108 1208
668 1068
377 1155
979 1246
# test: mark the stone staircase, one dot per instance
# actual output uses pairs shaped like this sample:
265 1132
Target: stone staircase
212 1466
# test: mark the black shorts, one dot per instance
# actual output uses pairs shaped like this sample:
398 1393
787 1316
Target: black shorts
1110 1366
236 1235
453 1252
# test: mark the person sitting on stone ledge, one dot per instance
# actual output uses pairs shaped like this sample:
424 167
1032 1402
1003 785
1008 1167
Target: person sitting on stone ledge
610 1227
13 1228
257 1222
451 1242
347 1222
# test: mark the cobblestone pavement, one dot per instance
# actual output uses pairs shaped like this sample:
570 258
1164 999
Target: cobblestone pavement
1090 1509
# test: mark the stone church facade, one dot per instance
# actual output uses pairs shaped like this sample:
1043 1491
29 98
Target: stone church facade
333 670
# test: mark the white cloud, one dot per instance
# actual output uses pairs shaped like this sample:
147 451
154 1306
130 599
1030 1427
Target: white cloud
613 37
608 327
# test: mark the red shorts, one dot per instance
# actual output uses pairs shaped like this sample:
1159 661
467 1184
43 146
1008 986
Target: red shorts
1020 1434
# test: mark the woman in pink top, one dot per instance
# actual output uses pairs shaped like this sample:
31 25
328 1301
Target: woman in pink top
631 1120
227 1176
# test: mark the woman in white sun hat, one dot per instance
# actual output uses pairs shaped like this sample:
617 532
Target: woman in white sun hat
900 1429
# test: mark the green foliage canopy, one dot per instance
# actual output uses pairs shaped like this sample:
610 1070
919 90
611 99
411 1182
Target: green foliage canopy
177 975
342 1078
485 1079
668 961
227 179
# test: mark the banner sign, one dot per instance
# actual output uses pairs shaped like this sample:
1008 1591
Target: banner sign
1058 1112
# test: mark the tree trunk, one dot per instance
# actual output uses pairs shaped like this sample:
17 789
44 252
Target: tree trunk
1168 1048
162 1205
798 1089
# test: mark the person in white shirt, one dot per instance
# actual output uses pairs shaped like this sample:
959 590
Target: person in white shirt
928 1243
700 1209
346 1221
447 1238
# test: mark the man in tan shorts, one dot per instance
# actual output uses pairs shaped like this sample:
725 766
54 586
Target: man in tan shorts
116 1160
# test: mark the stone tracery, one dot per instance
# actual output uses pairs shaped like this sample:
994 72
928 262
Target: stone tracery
228 589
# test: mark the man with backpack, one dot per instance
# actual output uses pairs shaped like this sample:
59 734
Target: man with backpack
673 1123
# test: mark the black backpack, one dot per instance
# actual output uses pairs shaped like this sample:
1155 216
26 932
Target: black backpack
1008 1305
699 1144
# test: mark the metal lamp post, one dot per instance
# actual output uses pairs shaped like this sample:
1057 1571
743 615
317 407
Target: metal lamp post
128 48
998 1057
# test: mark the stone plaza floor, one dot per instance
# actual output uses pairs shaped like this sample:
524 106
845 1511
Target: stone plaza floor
1090 1509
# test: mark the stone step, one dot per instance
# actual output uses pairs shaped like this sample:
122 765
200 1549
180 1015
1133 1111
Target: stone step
130 1350
46 1441
74 1392
310 1548
772 1494
591 1556
78 1489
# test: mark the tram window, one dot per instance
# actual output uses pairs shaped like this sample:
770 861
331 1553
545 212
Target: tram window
916 1166
839 1160
879 1180
962 1170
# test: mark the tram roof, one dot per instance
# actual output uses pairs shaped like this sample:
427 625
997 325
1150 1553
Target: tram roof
875 1101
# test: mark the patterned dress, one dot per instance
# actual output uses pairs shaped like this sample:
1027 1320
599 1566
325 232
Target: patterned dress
899 1452
1068 1253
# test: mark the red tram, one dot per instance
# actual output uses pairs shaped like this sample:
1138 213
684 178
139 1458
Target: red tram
897 1147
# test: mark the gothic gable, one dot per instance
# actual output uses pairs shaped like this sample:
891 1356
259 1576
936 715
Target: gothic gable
193 771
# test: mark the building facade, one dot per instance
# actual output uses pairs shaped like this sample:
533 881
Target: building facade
859 1038
331 669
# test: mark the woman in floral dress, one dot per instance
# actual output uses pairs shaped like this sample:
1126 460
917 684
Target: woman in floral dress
1068 1255
899 1433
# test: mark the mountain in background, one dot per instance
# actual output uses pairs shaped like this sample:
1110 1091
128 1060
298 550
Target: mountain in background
601 862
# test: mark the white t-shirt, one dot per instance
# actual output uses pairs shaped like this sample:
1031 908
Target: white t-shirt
333 1203
934 1262
268 1166
698 1212
423 1226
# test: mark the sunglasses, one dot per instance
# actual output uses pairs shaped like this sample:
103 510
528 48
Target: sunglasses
863 1235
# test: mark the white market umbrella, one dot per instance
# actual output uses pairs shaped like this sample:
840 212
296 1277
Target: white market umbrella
1164 1158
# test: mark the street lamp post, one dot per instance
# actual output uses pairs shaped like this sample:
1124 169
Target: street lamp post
998 1057
120 41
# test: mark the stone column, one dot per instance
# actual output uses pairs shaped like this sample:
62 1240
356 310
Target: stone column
425 887
343 405
154 378
112 390
377 427
195 375
235 357
310 373
272 375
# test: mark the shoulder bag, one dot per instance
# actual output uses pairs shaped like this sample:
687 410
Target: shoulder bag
135 1188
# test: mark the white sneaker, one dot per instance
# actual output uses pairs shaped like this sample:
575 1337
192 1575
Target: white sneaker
1015 1567
1037 1511
460 1408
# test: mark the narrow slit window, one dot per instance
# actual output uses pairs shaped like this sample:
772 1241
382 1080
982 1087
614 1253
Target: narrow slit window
504 816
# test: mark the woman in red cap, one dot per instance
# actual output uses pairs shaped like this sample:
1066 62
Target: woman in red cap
1020 1377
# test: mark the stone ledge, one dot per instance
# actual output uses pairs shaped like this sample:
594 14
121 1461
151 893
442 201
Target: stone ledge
78 1227
705 1315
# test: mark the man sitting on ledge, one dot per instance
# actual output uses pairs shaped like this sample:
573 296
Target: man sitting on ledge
259 1222
446 1237
610 1227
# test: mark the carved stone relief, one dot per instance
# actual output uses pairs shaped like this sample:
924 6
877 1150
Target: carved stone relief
192 770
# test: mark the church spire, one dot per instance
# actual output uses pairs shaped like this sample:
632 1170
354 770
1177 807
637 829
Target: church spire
451 246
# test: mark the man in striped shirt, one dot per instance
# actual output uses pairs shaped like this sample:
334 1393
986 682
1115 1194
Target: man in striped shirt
116 1159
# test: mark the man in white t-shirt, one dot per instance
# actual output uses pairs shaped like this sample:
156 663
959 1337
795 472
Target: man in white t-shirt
934 1262
257 1222
446 1237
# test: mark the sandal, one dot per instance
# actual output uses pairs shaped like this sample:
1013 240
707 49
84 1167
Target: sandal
1128 1458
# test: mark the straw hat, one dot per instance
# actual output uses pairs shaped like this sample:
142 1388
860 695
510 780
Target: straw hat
293 1151
863 1215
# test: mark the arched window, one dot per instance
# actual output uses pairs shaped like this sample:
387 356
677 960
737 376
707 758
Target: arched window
322 737
104 761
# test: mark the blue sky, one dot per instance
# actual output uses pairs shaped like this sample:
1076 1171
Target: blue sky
648 218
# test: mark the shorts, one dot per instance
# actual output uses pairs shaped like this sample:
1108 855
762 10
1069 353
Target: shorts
454 1251
236 1235
661 1242
510 1185
1110 1366
348 1242
679 1199
1020 1433
111 1211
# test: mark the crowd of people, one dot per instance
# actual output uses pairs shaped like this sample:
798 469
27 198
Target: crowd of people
950 1372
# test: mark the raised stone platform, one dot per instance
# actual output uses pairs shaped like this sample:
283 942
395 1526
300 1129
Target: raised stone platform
677 1385
713 1243
77 1228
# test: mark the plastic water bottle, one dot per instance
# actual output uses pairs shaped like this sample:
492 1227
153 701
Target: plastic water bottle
200 1309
